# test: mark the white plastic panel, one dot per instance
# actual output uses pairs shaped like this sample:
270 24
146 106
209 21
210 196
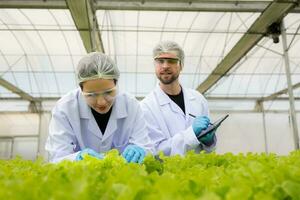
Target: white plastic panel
40 49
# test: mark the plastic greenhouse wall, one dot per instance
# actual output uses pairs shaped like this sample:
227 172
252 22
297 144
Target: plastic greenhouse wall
241 132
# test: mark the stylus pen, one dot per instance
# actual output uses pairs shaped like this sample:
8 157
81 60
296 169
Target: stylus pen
195 117
192 115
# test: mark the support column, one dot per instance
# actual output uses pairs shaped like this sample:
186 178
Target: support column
44 118
290 89
12 148
264 126
259 107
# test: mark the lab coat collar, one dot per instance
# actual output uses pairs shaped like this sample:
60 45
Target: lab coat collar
188 98
86 113
163 99
84 109
119 111
120 106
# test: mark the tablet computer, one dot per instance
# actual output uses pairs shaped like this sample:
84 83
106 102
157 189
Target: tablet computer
212 127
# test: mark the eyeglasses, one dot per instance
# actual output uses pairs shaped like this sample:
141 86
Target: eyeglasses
108 95
170 61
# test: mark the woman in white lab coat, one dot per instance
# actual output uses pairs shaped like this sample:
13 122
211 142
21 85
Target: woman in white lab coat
96 117
175 115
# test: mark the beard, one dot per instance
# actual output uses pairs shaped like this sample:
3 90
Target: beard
168 80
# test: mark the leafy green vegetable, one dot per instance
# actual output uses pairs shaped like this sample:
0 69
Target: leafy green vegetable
195 176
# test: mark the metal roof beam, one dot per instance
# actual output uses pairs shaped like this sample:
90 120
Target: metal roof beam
35 104
85 19
157 5
36 4
273 13
276 94
184 5
16 90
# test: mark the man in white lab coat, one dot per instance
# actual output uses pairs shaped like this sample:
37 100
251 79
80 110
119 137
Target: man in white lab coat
97 117
175 115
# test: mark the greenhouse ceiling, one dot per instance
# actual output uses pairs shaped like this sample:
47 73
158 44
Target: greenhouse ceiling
230 52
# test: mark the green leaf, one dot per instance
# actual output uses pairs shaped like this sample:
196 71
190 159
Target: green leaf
292 189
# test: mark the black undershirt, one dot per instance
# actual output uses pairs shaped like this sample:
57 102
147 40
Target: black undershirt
178 99
101 119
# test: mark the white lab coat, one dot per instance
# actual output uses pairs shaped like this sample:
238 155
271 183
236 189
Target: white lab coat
73 127
169 128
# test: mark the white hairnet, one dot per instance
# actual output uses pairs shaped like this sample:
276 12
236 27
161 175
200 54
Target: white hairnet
96 65
169 47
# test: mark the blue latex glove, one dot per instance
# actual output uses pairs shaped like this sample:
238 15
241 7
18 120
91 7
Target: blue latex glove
90 152
134 154
208 139
200 123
